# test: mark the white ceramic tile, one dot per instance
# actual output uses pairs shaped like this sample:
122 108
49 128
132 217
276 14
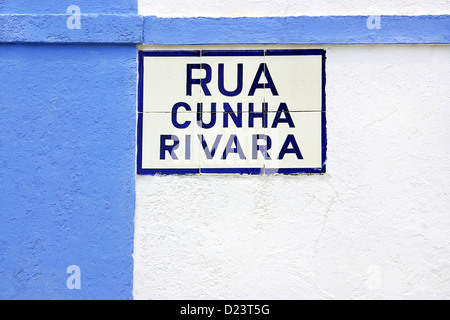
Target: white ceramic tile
307 133
218 147
228 155
165 83
238 157
298 80
250 66
156 125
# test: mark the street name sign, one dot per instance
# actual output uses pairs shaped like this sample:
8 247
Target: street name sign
231 112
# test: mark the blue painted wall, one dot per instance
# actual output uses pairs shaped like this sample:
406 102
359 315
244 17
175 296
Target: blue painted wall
67 141
60 6
344 30
95 28
67 149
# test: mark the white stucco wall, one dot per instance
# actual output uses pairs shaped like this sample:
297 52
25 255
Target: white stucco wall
257 8
374 226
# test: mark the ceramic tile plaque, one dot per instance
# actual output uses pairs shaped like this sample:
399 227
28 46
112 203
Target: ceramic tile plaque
233 112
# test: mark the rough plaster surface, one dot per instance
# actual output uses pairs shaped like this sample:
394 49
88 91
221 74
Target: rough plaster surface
330 30
67 143
260 8
375 226
94 28
60 6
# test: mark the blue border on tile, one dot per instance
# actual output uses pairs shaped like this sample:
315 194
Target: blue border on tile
218 53
170 53
294 52
233 53
293 171
140 126
165 172
324 81
242 171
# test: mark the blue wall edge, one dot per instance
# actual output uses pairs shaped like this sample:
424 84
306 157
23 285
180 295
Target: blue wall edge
52 28
136 29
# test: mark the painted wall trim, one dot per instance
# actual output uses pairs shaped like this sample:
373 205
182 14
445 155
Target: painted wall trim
60 6
59 28
342 30
136 29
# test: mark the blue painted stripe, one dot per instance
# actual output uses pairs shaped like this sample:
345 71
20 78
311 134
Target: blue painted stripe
324 143
134 29
140 106
60 6
52 28
297 30
295 52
